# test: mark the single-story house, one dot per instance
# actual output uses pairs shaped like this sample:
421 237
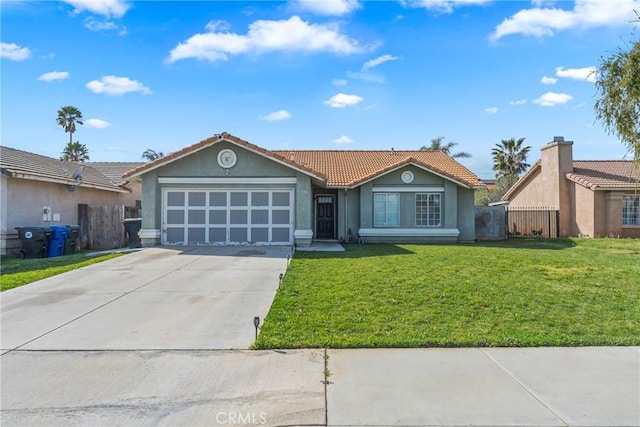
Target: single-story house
42 191
595 198
225 190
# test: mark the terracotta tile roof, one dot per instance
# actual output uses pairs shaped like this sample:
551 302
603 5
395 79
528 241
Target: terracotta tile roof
607 174
114 170
593 174
20 163
351 168
340 168
211 141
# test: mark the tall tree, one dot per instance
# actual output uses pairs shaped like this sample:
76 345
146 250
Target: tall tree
618 105
75 152
437 144
151 155
68 118
510 158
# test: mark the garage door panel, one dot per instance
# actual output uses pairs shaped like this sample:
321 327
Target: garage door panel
259 235
196 235
175 198
218 235
197 217
175 235
218 199
281 234
175 217
238 235
260 198
227 216
217 217
197 199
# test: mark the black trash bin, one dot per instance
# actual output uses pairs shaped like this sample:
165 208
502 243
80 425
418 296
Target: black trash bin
132 226
71 244
34 241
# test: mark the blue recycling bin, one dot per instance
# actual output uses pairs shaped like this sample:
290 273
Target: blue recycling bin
57 240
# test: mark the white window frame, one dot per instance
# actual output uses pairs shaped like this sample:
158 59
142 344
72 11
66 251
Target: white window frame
387 210
428 214
631 210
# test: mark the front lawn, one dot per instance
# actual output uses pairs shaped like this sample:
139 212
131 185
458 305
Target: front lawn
17 272
515 293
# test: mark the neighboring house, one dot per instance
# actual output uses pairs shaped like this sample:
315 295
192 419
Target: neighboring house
594 198
224 190
42 191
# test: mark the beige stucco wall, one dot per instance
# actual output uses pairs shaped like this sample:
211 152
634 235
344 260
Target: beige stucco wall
584 212
25 201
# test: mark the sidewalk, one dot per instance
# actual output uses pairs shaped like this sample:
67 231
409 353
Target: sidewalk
590 386
595 386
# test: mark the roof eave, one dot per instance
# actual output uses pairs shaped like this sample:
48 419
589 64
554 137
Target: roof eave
214 140
54 180
402 164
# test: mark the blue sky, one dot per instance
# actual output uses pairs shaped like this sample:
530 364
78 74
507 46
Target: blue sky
340 74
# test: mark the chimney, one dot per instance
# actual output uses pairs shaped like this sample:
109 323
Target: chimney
557 160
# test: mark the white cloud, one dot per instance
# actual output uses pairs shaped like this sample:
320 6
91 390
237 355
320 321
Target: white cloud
518 102
551 99
113 85
342 100
379 60
14 52
366 76
218 25
54 75
491 110
291 35
343 139
96 25
328 7
548 80
277 116
96 123
339 82
546 21
442 6
106 8
585 74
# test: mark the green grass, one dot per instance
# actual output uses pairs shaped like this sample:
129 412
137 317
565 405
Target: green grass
516 293
17 272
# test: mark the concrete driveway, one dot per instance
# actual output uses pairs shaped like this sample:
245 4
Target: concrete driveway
158 298
145 339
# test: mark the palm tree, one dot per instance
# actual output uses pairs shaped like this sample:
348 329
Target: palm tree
68 118
510 158
437 145
75 152
152 155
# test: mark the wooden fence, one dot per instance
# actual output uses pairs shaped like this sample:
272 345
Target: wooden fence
102 227
532 222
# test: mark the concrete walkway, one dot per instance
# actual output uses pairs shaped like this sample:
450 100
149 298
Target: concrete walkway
382 387
593 386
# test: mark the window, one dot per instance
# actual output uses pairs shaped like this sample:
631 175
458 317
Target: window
428 209
386 209
631 210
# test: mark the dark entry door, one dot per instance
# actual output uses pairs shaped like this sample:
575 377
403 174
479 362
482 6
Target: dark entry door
325 217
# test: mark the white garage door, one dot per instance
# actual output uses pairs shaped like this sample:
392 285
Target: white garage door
227 216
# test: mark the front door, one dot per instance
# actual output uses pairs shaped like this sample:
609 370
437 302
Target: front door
325 217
